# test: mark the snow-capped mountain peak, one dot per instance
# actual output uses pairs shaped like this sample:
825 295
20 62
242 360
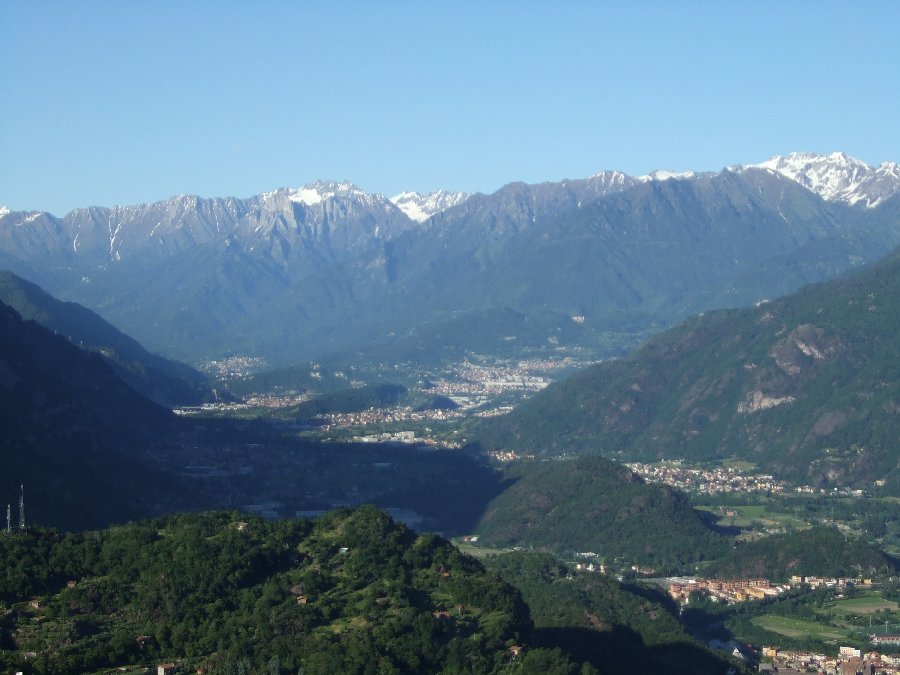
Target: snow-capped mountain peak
319 193
837 176
420 207
314 193
4 211
663 174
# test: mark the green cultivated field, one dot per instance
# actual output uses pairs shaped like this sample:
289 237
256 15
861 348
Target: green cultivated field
797 628
752 516
865 604
478 551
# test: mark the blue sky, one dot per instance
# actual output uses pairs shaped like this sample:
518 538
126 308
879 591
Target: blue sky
129 102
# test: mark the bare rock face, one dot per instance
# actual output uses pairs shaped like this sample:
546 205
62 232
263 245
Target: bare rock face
758 401
802 347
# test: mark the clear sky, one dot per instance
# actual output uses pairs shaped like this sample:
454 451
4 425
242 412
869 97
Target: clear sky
127 102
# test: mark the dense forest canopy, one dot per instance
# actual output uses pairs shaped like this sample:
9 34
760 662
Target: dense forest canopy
352 592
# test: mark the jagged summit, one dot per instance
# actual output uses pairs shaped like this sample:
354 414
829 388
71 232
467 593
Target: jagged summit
420 207
837 176
318 192
608 181
321 190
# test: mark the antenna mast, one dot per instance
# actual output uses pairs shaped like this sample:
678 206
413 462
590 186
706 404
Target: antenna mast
22 507
8 519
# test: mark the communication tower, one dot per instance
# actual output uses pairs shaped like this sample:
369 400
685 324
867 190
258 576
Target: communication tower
22 507
8 519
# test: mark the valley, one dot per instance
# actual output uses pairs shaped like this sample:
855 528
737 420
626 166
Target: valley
434 408
646 468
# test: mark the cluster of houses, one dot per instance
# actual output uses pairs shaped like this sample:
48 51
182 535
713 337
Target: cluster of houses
508 455
707 480
848 661
723 480
738 590
829 582
390 415
389 437
842 491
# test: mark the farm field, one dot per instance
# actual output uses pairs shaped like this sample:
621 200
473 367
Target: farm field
868 603
478 551
755 516
798 628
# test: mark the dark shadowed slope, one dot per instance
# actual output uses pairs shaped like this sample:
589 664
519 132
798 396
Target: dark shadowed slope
167 382
73 432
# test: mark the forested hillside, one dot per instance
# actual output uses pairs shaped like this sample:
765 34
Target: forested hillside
593 504
617 627
807 387
820 551
349 593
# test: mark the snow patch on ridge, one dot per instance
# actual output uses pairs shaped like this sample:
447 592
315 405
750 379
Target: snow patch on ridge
663 174
421 207
320 191
312 194
305 196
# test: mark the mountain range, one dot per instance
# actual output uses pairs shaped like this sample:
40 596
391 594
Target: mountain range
296 273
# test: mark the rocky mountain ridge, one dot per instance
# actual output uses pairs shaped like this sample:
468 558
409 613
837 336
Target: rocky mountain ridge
295 273
834 177
420 207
